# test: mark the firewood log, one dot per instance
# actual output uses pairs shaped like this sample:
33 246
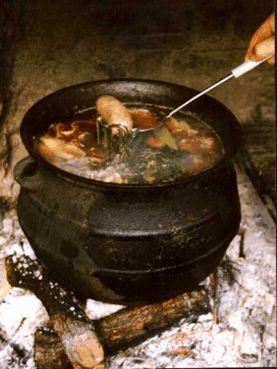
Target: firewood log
117 331
49 350
75 330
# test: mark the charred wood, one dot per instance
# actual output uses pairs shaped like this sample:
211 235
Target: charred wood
76 331
120 330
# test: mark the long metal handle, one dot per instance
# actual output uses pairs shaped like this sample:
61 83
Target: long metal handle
236 72
201 94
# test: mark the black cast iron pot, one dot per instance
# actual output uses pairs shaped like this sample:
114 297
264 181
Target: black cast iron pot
126 243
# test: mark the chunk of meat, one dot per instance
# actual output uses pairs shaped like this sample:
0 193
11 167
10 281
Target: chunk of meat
179 128
54 149
189 145
154 142
172 124
196 143
143 118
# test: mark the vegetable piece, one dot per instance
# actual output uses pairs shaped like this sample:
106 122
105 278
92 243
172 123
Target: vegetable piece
165 137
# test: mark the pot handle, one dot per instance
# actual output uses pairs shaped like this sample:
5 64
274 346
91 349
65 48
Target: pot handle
26 173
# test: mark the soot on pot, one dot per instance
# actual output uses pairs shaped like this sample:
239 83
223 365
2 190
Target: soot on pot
183 146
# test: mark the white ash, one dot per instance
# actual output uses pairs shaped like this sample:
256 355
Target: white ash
245 302
97 309
20 314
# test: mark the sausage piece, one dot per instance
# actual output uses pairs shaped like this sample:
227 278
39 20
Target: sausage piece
113 111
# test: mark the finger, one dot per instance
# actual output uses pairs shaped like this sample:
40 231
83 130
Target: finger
264 49
265 31
272 22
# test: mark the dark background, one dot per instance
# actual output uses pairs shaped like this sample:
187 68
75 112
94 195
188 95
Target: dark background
46 45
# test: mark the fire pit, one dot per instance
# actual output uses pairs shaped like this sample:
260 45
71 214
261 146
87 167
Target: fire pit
229 322
128 243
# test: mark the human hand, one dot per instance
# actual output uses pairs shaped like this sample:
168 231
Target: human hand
262 43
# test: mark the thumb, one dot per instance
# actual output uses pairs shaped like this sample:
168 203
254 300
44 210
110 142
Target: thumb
264 49
264 32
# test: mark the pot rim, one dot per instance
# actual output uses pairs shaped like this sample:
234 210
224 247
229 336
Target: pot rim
101 184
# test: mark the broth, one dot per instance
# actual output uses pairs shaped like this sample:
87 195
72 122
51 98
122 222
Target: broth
182 147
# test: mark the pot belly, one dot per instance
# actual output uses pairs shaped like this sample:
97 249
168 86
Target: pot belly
145 250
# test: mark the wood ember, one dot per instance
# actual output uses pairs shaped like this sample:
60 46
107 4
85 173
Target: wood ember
75 330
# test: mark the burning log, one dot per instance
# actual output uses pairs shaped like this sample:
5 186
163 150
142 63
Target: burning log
78 334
